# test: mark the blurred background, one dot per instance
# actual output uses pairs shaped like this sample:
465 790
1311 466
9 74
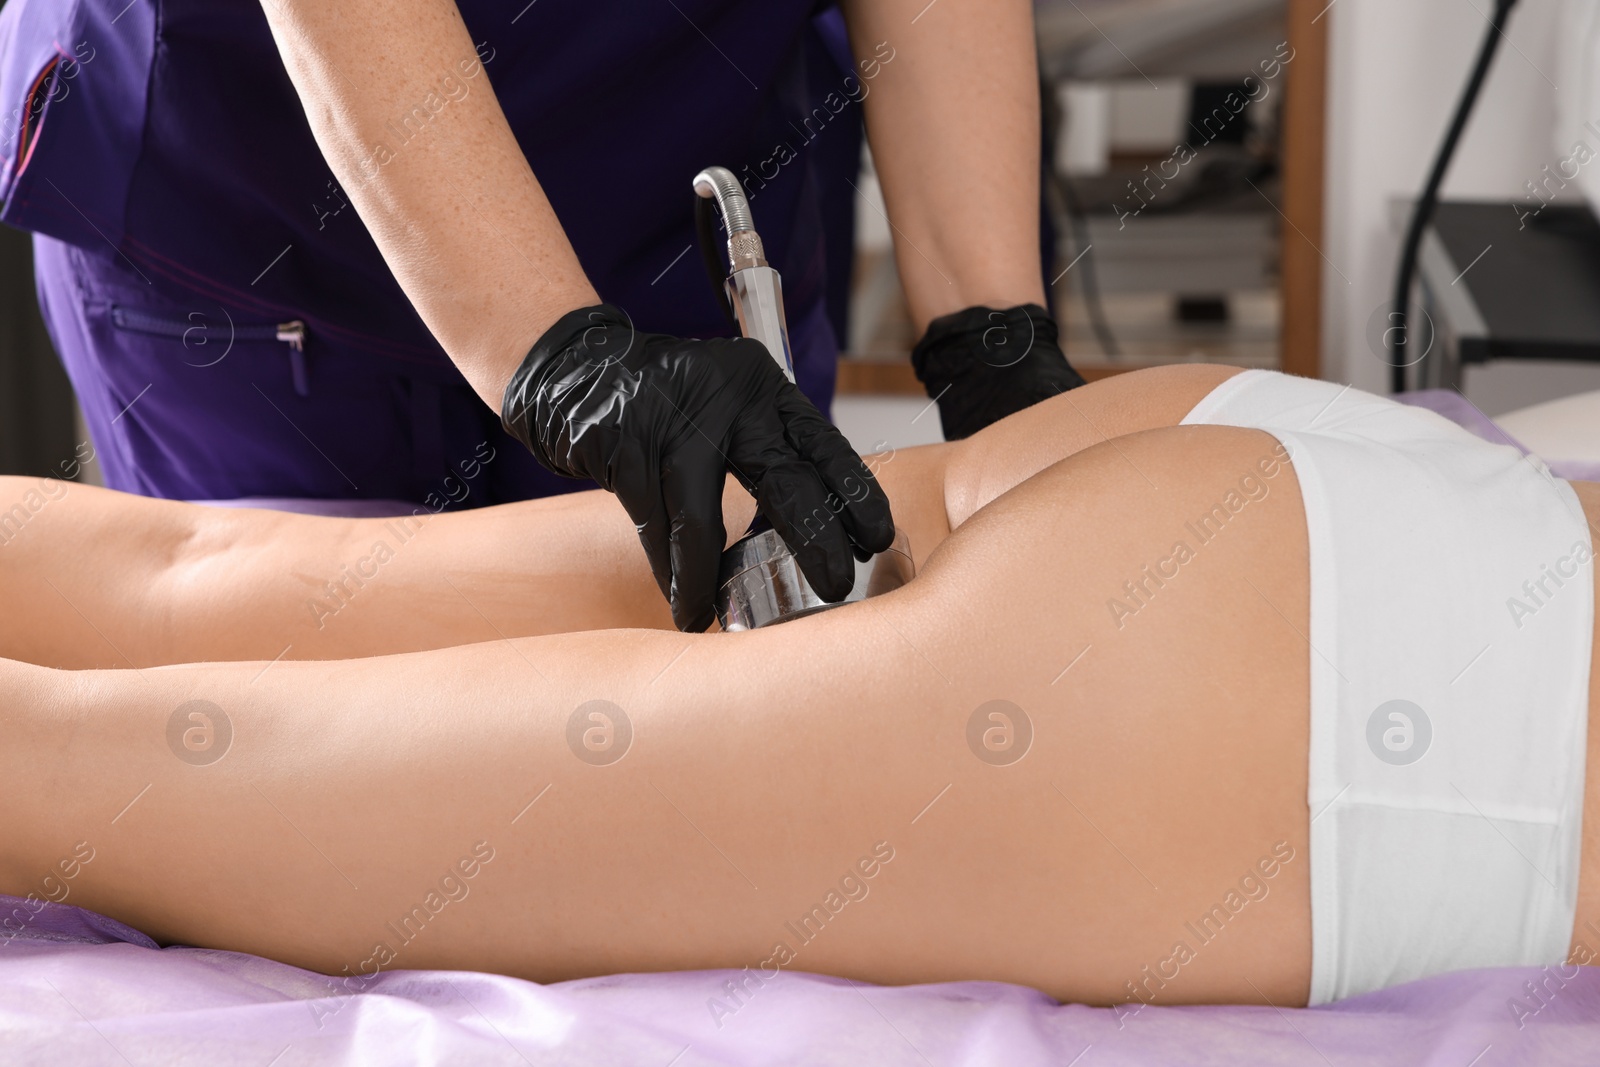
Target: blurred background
1276 245
1225 181
1164 185
38 418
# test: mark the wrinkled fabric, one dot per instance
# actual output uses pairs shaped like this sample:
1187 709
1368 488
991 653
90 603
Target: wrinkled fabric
1461 411
79 988
182 209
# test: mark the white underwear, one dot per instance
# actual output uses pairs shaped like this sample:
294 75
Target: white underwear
1452 614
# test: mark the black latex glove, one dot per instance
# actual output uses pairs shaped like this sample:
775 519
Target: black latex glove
658 420
982 365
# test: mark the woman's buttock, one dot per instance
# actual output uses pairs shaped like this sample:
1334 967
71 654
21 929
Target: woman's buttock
1134 619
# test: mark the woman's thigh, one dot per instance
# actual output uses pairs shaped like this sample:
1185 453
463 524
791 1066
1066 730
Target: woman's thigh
991 773
112 580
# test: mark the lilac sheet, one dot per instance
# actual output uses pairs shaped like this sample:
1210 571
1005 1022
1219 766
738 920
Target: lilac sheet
1461 411
78 988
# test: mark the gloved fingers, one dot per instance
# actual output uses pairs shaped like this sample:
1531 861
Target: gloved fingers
636 481
857 498
692 478
792 497
868 522
755 434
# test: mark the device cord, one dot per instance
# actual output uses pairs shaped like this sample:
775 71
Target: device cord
1422 213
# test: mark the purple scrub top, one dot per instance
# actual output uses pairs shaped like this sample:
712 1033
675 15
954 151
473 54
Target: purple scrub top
229 324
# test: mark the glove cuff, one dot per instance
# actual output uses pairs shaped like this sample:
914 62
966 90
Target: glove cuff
522 391
978 338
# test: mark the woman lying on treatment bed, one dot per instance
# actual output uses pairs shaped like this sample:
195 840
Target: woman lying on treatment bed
1181 612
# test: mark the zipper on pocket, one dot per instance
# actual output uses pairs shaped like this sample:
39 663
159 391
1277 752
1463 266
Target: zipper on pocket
291 333
34 106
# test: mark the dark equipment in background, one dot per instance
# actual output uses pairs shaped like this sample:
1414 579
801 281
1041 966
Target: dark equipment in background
1422 214
36 402
1209 99
1532 300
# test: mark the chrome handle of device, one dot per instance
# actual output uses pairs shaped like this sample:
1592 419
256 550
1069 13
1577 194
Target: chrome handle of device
754 288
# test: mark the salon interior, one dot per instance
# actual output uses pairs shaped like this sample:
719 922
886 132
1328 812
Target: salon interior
1402 198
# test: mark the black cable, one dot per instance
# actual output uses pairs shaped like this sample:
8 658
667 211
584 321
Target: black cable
1063 200
1422 214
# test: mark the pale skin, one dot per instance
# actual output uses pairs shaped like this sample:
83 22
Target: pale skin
951 119
1168 758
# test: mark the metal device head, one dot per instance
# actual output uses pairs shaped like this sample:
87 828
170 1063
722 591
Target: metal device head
761 584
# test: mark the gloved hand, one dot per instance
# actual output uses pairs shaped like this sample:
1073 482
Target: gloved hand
658 420
982 365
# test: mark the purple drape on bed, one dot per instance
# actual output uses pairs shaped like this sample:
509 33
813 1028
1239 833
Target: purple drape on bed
78 988
1461 411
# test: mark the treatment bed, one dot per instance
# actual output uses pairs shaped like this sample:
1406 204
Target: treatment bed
77 987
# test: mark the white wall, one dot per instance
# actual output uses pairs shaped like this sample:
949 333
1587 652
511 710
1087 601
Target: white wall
1396 69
